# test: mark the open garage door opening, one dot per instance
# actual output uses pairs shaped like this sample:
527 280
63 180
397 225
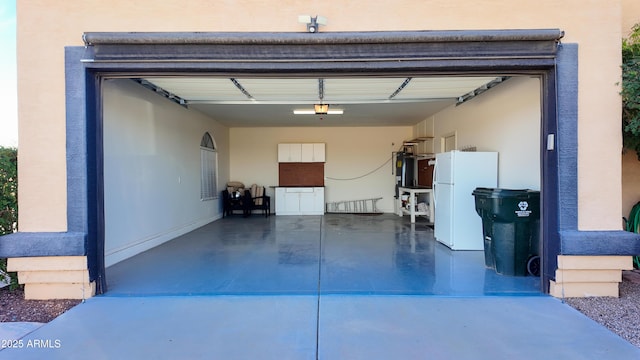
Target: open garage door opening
153 130
149 156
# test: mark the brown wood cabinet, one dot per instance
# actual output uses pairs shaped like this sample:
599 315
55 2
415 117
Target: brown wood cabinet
301 174
425 173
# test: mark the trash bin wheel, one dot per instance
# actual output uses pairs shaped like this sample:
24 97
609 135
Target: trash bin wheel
533 265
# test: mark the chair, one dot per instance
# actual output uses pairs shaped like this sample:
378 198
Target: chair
258 200
235 200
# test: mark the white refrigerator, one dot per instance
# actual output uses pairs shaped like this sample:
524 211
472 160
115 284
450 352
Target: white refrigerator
457 174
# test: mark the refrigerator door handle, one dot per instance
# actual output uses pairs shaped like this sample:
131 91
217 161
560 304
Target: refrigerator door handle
434 192
434 181
434 176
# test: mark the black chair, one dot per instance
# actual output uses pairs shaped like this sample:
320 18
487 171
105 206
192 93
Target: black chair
262 202
236 201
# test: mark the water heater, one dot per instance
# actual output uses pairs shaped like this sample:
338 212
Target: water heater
405 170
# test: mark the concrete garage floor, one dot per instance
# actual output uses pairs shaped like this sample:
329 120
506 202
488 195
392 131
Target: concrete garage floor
306 255
332 287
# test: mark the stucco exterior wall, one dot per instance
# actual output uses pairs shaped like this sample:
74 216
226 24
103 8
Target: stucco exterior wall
45 27
630 15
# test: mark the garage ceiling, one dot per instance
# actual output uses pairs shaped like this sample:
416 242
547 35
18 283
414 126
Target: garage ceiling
366 101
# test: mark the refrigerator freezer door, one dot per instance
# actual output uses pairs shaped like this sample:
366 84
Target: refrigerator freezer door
444 168
475 169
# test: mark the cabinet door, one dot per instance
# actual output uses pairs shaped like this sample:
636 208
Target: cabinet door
280 201
318 152
307 202
283 153
292 203
295 152
306 152
289 152
318 200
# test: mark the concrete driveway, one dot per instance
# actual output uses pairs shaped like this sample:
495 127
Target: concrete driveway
325 327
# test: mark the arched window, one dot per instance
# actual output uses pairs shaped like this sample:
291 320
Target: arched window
208 168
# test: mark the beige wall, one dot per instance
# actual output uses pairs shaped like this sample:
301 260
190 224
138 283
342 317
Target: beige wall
45 27
158 142
505 119
351 152
630 15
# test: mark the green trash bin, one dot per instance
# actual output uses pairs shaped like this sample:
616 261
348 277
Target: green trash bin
483 208
512 218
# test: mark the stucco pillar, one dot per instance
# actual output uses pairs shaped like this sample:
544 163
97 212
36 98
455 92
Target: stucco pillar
53 277
585 276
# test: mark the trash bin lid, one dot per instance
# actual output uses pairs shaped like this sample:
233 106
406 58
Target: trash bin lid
482 191
496 193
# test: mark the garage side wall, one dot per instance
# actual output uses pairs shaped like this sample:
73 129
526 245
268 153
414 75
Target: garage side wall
505 119
152 169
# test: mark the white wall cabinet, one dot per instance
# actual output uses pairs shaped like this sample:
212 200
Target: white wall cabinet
311 152
289 152
299 201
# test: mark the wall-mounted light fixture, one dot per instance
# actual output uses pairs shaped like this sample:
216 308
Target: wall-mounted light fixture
313 23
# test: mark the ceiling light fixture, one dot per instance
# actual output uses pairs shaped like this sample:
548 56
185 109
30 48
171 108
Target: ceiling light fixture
321 108
318 109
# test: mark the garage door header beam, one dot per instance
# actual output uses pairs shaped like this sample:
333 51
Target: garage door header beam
181 38
320 47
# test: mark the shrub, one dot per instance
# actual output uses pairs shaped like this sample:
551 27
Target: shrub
8 190
631 90
8 200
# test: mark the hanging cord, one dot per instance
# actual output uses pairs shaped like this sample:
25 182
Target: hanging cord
361 176
633 225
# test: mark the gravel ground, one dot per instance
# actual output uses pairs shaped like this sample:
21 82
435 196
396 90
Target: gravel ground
620 315
13 307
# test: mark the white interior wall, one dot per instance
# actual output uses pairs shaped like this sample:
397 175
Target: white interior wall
505 119
351 152
152 169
